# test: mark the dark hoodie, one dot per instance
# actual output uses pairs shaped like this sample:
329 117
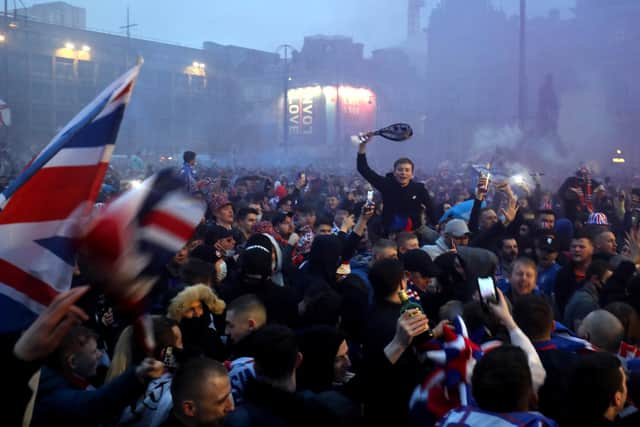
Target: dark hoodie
324 260
255 278
319 346
400 204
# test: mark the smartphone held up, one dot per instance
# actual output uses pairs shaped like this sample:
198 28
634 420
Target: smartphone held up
487 291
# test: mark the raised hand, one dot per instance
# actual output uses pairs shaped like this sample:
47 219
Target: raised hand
411 324
149 369
47 331
511 211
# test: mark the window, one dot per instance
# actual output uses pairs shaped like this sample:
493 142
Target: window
64 69
85 70
41 66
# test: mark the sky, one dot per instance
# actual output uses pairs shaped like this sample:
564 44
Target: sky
266 24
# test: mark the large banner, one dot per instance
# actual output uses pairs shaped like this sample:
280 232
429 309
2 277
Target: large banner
306 116
326 114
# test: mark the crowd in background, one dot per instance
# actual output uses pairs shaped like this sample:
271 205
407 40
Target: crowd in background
284 308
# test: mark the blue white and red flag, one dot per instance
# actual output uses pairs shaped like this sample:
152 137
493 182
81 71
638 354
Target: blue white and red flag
38 209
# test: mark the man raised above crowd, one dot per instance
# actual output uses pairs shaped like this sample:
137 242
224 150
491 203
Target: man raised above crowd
403 199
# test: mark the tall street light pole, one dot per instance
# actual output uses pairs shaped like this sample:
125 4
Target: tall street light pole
285 106
522 75
4 65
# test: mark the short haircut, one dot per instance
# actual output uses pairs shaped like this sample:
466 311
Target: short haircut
501 380
484 210
276 351
525 261
534 316
404 236
385 276
188 156
72 343
323 220
249 305
603 330
383 244
593 384
502 239
188 380
322 305
196 271
540 212
583 234
404 160
305 210
242 213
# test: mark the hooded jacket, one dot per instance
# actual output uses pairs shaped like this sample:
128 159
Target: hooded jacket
402 205
199 334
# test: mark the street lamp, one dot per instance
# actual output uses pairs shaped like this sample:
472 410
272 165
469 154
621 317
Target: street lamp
196 69
69 51
3 38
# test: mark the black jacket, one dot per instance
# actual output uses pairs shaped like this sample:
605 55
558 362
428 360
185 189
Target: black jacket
565 285
400 203
61 403
267 406
386 388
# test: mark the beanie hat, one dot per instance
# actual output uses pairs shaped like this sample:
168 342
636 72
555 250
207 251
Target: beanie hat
281 191
256 257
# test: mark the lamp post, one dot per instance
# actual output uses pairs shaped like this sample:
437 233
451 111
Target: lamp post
285 106
4 65
522 77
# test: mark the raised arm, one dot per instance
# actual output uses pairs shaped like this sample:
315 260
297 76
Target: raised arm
367 173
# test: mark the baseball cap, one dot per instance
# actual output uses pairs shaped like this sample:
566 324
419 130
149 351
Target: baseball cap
597 218
218 201
417 260
547 243
456 228
215 233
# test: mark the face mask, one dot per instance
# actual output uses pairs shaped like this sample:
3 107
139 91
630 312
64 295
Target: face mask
221 273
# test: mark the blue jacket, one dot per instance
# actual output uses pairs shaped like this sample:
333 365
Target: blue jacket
59 402
547 279
188 176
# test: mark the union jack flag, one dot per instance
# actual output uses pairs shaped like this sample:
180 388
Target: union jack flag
39 208
132 239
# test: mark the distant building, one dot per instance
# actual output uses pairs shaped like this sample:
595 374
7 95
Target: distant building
57 13
185 97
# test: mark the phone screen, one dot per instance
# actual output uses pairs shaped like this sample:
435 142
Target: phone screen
370 196
487 290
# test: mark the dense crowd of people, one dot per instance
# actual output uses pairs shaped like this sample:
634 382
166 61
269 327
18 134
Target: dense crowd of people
288 306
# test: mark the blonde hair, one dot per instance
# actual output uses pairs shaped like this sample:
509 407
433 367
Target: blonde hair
122 354
127 352
181 302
